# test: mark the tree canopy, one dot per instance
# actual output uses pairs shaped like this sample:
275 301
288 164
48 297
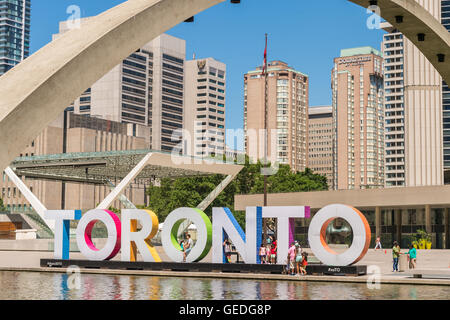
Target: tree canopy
190 191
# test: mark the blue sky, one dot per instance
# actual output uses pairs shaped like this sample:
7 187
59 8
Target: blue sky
306 34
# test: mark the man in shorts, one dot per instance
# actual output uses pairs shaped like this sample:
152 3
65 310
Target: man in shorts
187 247
291 258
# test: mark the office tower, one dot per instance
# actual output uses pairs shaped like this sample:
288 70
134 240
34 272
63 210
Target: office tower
287 119
204 117
445 15
414 135
147 88
358 119
15 21
320 139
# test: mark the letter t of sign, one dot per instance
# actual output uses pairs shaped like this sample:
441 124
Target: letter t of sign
62 230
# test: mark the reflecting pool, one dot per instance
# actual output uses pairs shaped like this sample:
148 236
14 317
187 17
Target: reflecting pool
55 286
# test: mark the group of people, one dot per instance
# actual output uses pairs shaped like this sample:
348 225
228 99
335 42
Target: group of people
412 256
268 251
396 252
186 246
297 260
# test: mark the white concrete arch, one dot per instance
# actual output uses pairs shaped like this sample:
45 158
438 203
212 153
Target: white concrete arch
412 19
37 90
33 93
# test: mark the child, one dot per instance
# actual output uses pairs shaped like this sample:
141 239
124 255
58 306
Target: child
268 247
262 254
182 246
273 254
304 263
227 250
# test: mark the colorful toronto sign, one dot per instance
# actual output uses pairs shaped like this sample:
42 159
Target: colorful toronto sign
124 236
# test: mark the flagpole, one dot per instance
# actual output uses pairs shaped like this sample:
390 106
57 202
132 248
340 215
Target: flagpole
265 135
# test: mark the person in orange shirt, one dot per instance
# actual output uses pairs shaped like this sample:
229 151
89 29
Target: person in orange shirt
304 263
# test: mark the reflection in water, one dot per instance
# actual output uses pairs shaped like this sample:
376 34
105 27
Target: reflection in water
217 289
281 288
413 293
87 287
33 286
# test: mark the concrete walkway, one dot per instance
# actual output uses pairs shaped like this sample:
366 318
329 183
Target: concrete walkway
427 259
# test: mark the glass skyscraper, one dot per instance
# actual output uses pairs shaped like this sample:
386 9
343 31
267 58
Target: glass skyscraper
446 92
15 18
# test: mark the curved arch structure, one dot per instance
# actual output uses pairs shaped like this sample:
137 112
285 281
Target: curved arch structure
412 19
37 90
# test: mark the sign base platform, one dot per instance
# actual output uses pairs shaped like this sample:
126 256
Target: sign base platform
166 266
311 269
321 269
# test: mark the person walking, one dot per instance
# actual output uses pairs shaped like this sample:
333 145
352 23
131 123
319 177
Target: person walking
412 254
378 244
395 256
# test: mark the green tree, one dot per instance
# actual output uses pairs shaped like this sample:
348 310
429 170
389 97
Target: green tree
2 206
190 191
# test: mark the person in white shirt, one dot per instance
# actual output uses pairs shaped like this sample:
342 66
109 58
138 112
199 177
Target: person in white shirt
378 243
187 247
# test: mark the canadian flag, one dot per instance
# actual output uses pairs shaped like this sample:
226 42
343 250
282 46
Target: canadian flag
265 58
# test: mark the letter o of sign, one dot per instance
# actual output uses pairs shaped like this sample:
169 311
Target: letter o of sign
169 234
84 235
317 235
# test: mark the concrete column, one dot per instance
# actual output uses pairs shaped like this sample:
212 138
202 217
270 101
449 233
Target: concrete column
398 223
446 228
378 221
428 218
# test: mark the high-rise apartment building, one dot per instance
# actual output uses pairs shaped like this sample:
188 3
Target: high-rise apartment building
393 51
15 21
204 117
358 119
414 135
147 88
320 139
445 15
287 118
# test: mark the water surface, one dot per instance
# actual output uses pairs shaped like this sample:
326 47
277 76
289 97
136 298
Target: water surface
55 286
